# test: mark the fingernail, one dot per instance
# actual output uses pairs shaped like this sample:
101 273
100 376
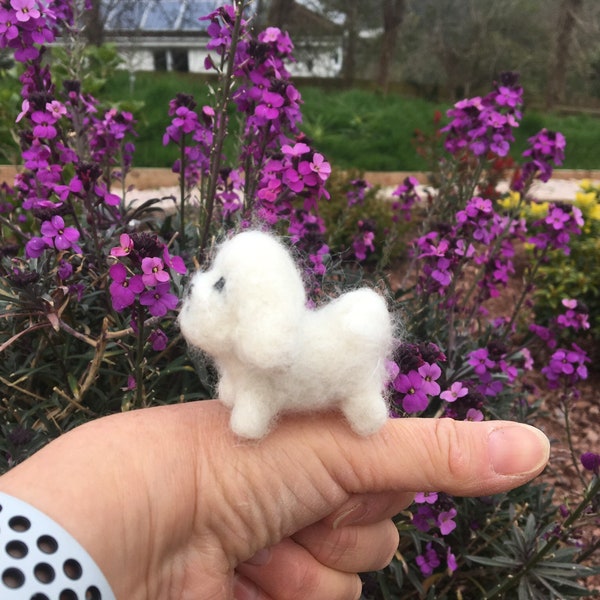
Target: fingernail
518 449
349 516
262 557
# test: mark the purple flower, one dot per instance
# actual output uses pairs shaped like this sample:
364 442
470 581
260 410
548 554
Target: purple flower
566 365
320 166
123 291
159 300
474 414
158 339
35 247
457 390
297 150
174 262
446 522
154 272
428 561
480 361
357 193
415 399
429 373
451 561
58 235
575 317
25 10
426 497
44 125
591 462
269 107
65 270
125 247
424 518
363 242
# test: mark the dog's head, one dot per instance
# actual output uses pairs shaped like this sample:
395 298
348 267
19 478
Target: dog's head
249 303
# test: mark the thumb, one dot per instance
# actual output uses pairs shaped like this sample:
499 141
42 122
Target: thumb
461 458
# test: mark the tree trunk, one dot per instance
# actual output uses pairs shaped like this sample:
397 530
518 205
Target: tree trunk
393 15
350 43
568 15
94 25
279 12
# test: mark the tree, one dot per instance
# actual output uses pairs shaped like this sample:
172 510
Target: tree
459 46
94 23
569 13
393 16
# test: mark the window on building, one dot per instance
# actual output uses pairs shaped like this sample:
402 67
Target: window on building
160 60
180 61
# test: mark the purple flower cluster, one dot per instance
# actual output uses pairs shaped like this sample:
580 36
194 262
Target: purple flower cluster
434 514
142 275
363 243
479 235
68 191
546 148
357 192
407 196
27 24
494 368
186 126
575 317
280 177
566 367
414 372
484 125
56 181
555 230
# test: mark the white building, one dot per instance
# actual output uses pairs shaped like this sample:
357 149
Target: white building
166 35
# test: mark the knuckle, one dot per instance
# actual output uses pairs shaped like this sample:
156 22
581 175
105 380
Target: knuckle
449 453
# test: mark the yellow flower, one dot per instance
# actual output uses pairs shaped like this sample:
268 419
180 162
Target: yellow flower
511 201
594 213
585 200
537 210
586 185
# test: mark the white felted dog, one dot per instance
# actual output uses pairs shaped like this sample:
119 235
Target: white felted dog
273 354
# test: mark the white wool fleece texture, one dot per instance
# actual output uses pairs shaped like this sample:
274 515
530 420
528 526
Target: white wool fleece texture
273 354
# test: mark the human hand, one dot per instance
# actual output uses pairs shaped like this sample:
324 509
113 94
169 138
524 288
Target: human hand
171 505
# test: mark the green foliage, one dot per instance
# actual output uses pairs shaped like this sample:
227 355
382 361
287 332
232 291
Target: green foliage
342 220
93 65
356 129
576 275
9 100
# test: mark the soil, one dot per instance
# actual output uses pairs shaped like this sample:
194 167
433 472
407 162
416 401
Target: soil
564 470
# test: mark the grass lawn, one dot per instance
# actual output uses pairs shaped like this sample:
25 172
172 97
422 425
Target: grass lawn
352 128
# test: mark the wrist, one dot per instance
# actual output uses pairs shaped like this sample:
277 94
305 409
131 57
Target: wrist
64 482
40 558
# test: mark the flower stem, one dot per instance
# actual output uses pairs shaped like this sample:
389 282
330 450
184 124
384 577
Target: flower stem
182 191
221 121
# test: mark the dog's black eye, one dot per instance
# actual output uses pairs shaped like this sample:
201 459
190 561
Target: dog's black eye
220 284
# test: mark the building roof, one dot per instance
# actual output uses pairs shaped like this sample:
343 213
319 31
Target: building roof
181 17
157 15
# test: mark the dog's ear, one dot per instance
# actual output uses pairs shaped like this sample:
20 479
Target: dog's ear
269 307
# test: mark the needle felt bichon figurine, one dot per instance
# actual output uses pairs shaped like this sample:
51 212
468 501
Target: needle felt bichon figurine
249 312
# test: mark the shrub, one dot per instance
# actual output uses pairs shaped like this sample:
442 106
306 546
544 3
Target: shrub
576 275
